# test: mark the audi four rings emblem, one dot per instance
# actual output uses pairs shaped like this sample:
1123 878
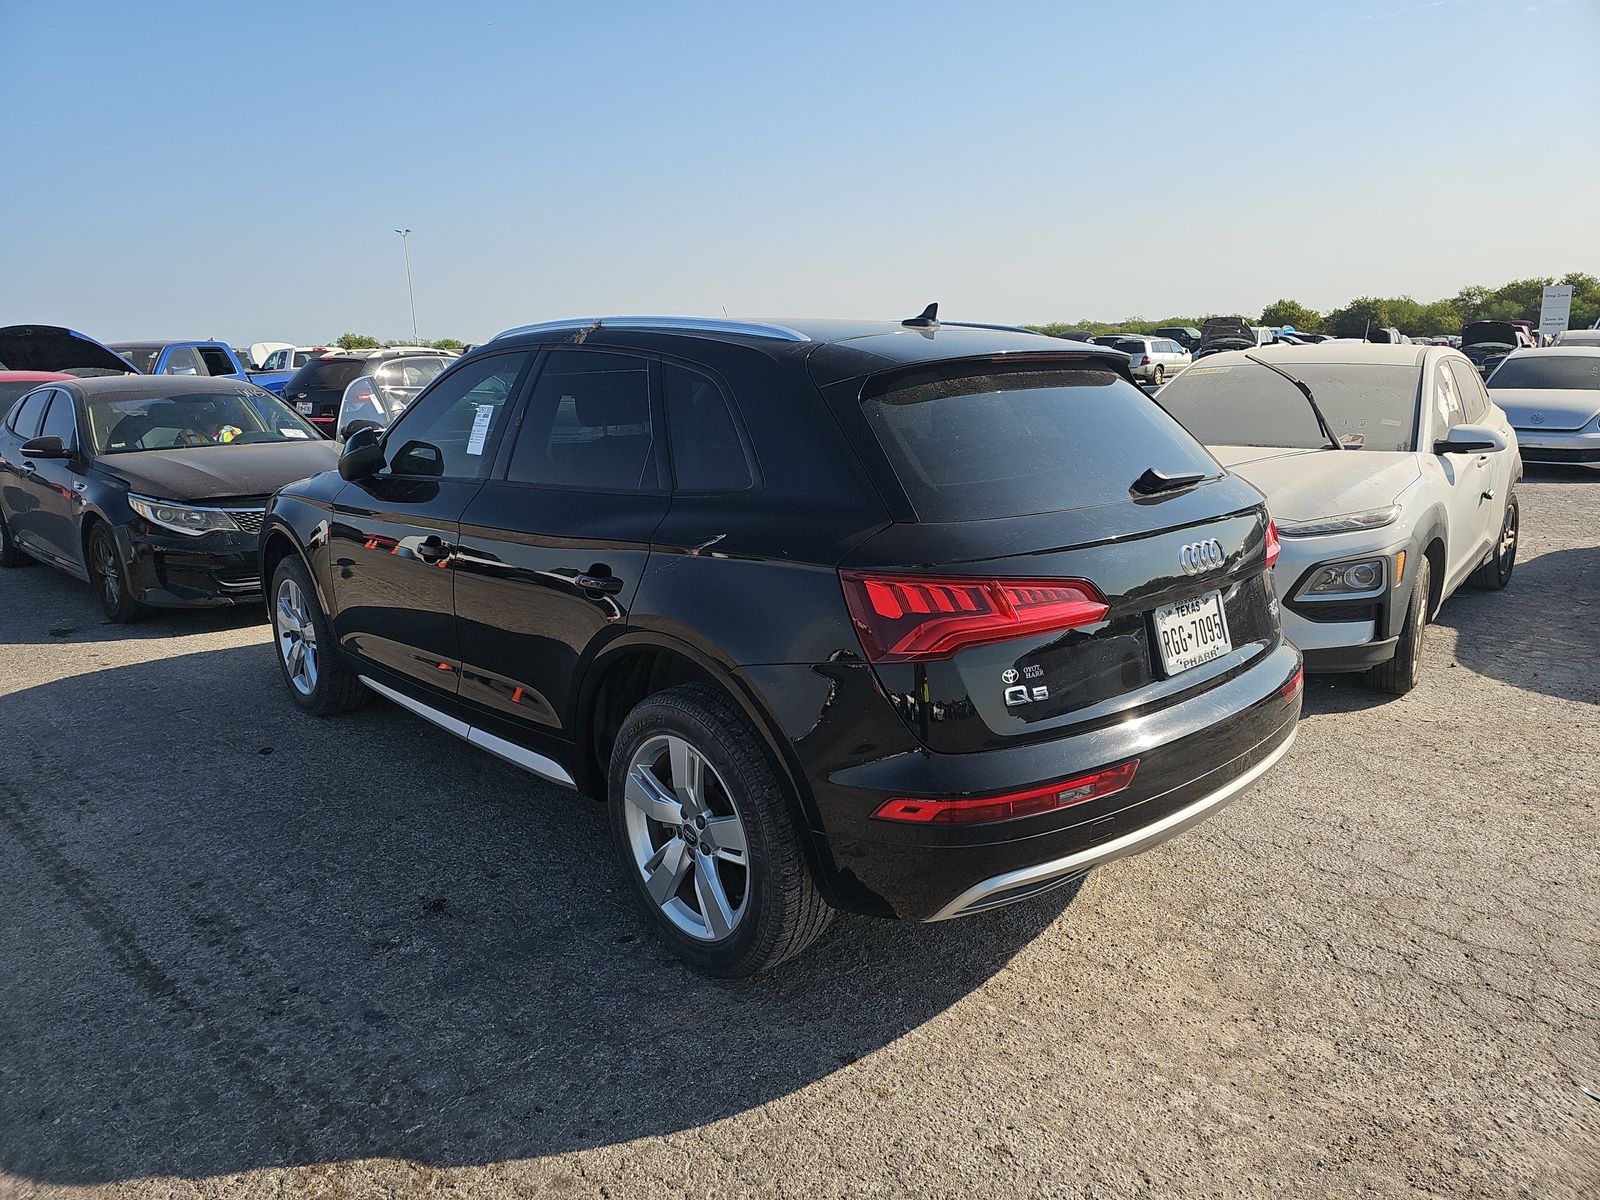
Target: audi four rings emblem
1201 556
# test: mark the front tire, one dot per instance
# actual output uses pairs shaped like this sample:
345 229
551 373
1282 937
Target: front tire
109 576
314 668
700 820
1401 673
1496 573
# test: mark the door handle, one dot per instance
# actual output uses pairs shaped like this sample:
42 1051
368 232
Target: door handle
610 585
432 549
31 468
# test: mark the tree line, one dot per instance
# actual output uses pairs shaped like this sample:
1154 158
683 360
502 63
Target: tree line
1518 300
362 341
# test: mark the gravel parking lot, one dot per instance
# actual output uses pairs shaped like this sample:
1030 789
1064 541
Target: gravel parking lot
245 952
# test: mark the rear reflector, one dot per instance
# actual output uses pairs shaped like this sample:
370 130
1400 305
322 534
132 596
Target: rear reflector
1012 805
1274 546
903 618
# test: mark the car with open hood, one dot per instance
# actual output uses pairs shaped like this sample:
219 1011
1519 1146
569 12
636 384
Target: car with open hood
1552 398
1390 475
56 348
1219 334
1486 343
151 488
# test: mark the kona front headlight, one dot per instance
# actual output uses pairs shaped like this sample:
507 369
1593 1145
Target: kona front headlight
182 518
1372 518
1358 577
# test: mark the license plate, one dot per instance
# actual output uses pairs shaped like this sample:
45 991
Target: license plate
303 407
1192 632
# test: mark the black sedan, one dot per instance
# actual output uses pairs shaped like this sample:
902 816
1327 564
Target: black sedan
151 488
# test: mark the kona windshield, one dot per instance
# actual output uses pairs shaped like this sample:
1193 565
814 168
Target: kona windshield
1242 404
124 425
1555 372
999 440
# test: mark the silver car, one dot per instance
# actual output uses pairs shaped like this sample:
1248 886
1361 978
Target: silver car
1389 473
1553 400
1153 359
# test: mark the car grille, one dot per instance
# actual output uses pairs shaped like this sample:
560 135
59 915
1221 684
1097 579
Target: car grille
247 519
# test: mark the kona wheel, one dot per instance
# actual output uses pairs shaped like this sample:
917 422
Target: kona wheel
1400 674
1157 375
319 679
11 554
701 824
109 575
1496 570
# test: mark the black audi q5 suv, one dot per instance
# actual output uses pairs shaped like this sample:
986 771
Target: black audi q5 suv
907 619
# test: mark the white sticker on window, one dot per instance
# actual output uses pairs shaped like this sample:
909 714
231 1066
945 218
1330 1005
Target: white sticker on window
480 429
291 432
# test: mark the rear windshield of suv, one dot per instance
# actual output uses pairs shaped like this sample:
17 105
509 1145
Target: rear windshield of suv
1013 439
332 373
1561 372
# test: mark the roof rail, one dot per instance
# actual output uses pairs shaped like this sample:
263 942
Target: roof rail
684 324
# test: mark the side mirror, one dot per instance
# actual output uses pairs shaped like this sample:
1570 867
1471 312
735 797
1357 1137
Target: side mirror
44 447
362 456
1471 439
354 427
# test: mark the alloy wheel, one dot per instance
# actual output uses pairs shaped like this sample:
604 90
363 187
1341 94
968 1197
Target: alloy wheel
1506 551
297 637
106 571
687 838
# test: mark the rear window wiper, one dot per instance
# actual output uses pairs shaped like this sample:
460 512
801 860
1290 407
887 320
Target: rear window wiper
1327 429
1153 482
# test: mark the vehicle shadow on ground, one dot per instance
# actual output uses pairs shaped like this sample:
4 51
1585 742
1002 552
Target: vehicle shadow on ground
70 613
1554 642
249 938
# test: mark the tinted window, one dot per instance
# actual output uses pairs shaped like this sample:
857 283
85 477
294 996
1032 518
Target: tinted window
331 373
452 431
25 420
10 389
588 424
1022 439
707 455
142 357
1562 371
1243 404
1474 400
182 360
216 360
60 422
1133 346
237 416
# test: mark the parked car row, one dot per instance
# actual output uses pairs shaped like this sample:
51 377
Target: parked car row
914 619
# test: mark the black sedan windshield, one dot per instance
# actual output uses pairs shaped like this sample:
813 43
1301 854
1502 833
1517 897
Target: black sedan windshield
1557 372
1243 404
222 418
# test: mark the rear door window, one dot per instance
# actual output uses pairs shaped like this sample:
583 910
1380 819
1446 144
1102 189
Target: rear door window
216 360
1010 439
588 424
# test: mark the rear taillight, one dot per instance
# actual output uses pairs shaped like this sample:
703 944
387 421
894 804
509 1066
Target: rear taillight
977 810
1144 360
1273 545
1296 681
903 618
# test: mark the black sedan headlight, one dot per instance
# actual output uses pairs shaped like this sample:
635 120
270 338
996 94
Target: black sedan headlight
182 518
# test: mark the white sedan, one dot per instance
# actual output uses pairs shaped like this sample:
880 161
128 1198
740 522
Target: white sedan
1552 398
1389 473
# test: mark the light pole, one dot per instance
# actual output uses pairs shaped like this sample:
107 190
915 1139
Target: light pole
405 234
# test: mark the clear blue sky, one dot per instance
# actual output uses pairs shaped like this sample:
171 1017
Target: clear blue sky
234 170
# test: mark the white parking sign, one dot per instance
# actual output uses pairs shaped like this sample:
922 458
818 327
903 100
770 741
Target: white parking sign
1556 311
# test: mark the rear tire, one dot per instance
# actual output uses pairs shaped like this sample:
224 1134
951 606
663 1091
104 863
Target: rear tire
1496 572
11 555
314 668
1157 375
701 823
109 576
1400 674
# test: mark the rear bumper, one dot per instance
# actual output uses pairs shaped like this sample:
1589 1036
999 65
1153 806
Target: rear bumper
1024 882
1191 755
